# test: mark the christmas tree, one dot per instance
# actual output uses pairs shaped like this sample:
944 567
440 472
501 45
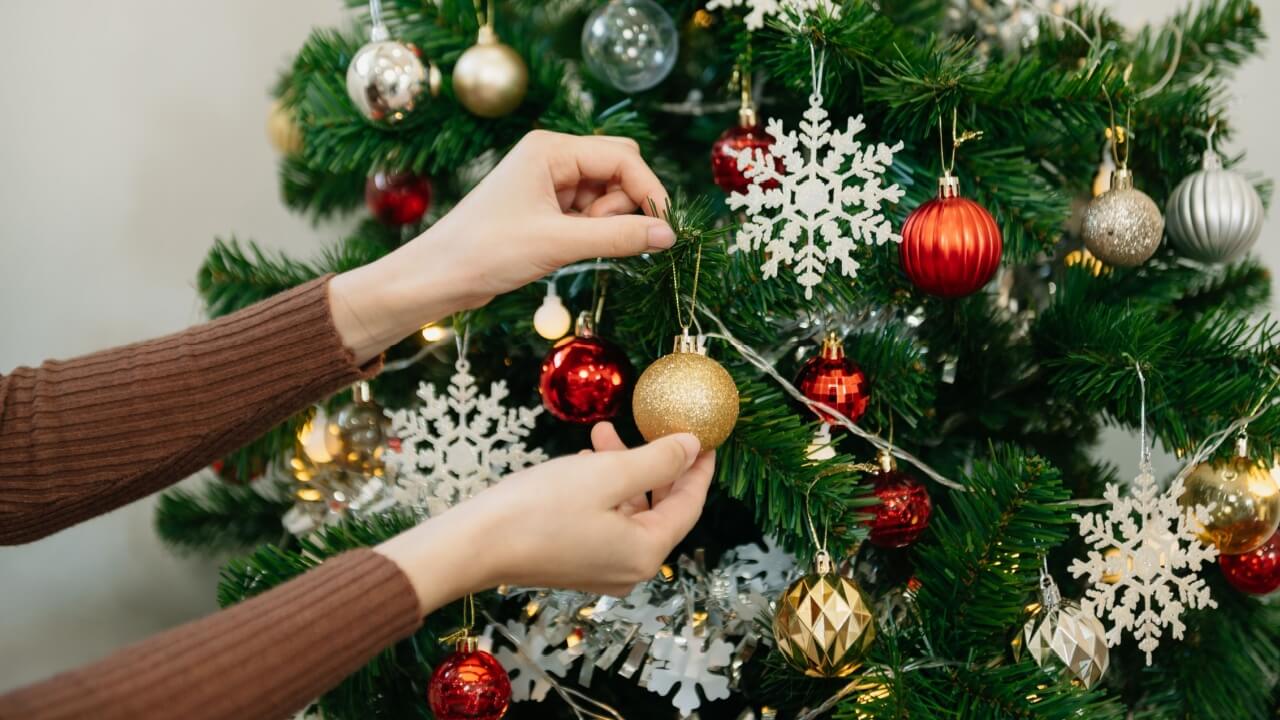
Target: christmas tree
926 241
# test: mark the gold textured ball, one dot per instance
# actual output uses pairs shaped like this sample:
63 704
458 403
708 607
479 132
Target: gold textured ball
283 130
824 625
686 392
490 78
1242 501
1123 227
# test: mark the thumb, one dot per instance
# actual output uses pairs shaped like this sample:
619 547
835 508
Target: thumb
615 236
655 465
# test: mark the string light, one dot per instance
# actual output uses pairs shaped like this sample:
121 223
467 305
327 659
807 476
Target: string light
551 320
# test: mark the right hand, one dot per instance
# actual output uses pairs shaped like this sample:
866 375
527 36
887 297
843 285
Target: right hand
582 522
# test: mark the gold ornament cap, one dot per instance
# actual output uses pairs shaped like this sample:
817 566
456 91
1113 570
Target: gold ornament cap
948 186
1121 179
467 644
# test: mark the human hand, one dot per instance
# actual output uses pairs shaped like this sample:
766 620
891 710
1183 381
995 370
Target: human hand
553 200
580 522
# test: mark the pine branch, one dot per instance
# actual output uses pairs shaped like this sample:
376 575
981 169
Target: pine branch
219 518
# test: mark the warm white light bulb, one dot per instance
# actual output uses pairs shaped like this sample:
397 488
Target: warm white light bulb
432 332
552 320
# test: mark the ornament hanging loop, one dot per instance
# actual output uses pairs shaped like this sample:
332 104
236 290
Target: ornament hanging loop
949 184
378 32
1050 596
1145 457
693 296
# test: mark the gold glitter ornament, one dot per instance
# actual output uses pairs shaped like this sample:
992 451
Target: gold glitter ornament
1241 498
824 624
283 130
686 391
1122 226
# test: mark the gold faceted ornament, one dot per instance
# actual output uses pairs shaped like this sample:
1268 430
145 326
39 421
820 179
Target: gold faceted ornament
490 79
283 130
824 624
1240 499
686 391
1061 638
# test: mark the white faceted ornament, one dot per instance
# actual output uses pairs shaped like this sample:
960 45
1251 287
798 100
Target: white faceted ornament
459 443
1215 214
1065 636
829 197
1157 563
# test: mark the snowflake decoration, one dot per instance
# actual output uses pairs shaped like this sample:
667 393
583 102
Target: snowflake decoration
641 609
759 10
768 568
792 212
529 667
1150 556
458 444
684 661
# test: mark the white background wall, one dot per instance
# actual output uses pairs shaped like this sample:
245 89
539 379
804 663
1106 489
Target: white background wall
132 134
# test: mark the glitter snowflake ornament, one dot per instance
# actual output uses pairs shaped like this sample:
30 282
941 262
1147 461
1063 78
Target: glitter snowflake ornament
530 667
459 443
1159 556
689 661
826 198
760 10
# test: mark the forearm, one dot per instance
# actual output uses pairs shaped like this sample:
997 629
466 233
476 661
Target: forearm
81 437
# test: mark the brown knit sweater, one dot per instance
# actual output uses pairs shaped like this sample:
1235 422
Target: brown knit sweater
81 437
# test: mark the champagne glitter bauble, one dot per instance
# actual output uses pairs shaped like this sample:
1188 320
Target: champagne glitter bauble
283 130
386 78
585 379
1242 501
1214 214
632 44
824 624
950 245
397 198
833 380
686 391
470 684
904 509
1256 572
1122 226
1061 637
490 79
357 437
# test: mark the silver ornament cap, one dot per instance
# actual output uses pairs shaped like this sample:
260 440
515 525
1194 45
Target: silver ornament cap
386 78
1215 215
1123 226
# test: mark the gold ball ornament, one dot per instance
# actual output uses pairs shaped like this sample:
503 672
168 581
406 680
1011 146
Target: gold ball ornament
1122 226
1241 500
686 391
358 434
490 79
283 130
824 624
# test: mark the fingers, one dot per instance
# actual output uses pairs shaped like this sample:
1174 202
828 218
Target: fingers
581 238
604 438
672 518
574 160
654 465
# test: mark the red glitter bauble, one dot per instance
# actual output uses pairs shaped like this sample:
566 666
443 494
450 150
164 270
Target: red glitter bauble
1256 572
832 379
397 198
904 509
724 166
585 379
469 685
950 245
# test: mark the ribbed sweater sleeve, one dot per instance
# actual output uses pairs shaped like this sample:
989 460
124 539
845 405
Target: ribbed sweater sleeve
263 659
81 437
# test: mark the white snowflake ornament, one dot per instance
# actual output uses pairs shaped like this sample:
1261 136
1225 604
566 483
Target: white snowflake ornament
760 10
689 661
1159 556
827 197
765 569
459 443
529 666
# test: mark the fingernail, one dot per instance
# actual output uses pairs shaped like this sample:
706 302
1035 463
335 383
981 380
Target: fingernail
661 236
691 447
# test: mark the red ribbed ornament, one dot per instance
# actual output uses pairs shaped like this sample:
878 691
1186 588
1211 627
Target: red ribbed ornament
746 136
585 379
904 509
470 684
834 380
1256 572
397 198
950 245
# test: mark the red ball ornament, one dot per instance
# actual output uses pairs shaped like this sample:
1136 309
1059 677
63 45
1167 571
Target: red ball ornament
469 685
585 379
832 379
746 136
950 245
1256 572
904 509
397 198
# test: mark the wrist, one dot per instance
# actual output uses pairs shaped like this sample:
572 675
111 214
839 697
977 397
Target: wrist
440 557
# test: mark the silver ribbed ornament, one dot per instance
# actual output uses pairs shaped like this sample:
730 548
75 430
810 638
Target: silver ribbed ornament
386 78
1122 226
1215 215
1062 638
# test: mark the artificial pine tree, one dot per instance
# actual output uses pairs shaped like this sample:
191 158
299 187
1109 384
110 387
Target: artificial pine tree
1000 394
